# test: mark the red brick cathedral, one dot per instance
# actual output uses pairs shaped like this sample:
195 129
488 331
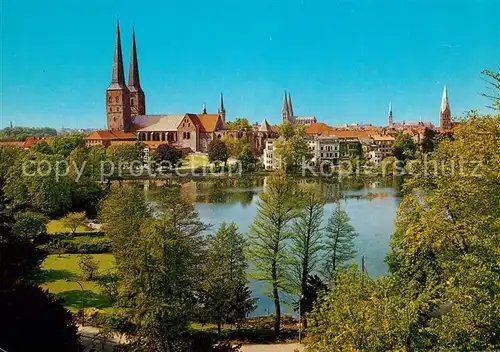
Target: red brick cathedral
124 101
127 120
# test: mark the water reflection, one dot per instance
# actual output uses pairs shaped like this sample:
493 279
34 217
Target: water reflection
243 190
371 204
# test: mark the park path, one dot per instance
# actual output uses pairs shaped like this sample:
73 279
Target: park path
87 334
282 347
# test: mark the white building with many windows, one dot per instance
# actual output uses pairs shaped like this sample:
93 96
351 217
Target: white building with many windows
322 149
269 158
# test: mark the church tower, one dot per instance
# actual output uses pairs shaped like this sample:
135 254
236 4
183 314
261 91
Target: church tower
137 98
389 117
117 94
290 107
285 111
445 113
222 109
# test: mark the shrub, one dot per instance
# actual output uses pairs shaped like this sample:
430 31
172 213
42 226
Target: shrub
109 286
88 266
74 220
64 243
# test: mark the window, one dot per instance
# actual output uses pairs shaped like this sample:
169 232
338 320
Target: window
184 135
188 135
117 99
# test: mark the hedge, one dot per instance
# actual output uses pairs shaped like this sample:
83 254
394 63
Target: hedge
64 243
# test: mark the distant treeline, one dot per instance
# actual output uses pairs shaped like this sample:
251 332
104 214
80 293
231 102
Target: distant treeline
21 133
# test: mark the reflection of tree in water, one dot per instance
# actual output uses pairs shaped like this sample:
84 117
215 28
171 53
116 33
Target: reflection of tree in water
243 189
226 191
397 184
245 197
217 193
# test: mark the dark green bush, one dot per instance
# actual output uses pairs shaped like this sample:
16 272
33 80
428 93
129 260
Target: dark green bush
94 243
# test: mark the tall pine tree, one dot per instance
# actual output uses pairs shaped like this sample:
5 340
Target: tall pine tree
226 296
339 242
268 235
306 241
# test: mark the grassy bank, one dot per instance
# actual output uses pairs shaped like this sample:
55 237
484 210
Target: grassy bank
58 269
57 226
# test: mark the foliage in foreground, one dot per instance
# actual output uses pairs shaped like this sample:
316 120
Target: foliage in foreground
30 319
443 291
159 263
225 295
268 235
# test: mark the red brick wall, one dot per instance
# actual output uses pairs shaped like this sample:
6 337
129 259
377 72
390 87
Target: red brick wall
118 110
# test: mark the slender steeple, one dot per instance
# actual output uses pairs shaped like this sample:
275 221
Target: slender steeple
290 107
285 111
133 71
137 98
222 109
117 95
204 110
117 76
445 113
390 115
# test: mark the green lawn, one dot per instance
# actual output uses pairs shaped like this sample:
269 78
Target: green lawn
57 269
57 226
195 160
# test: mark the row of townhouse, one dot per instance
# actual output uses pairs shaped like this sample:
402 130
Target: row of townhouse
333 149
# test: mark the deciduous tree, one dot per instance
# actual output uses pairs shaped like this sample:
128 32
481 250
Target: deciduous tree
217 152
292 148
123 155
168 155
73 221
159 261
39 182
238 124
88 266
403 147
246 158
42 147
29 225
64 145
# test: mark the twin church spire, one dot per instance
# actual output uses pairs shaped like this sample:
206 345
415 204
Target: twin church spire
287 110
124 101
117 76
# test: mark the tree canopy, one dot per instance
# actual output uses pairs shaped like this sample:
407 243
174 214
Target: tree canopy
238 124
168 154
291 148
21 133
217 151
442 294
404 147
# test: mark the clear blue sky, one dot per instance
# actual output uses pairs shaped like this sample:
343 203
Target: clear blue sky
343 61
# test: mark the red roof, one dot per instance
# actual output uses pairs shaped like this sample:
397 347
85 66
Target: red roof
111 135
17 144
316 128
206 122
